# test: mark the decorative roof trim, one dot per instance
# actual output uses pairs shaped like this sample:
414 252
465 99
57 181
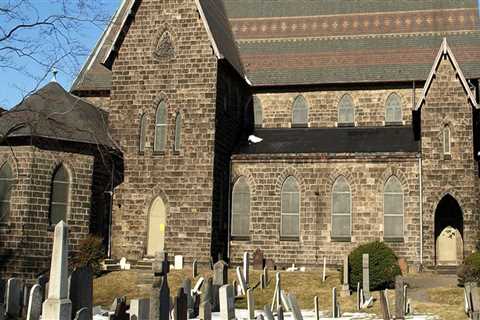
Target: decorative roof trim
445 51
209 32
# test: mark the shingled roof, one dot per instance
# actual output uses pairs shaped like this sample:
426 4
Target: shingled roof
53 113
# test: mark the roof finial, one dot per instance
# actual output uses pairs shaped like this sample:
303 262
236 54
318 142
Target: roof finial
55 72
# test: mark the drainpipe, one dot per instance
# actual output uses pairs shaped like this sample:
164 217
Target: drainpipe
420 183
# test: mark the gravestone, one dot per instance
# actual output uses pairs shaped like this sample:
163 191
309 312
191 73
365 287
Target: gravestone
334 304
359 300
81 290
250 304
58 306
296 312
405 298
258 259
280 315
43 281
366 276
196 304
399 298
181 305
140 309
198 285
268 313
265 276
345 286
26 296
194 269
205 312
227 302
263 285
35 300
161 265
210 263
207 292
82 314
220 273
178 262
316 308
14 298
285 301
384 306
246 268
120 312
160 299
241 281
324 275
187 289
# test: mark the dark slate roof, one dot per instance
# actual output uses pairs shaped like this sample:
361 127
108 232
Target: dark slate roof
297 42
53 113
219 26
332 140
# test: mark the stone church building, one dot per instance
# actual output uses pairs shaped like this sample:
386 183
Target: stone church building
302 128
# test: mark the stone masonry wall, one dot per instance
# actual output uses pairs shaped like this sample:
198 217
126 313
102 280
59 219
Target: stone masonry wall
25 235
457 174
166 54
316 174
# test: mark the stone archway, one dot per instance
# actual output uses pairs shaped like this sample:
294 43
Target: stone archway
157 219
448 232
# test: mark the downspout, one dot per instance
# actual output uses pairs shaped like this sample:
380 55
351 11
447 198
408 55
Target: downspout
110 214
420 185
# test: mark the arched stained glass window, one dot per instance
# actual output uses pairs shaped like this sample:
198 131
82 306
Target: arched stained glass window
258 112
178 132
6 181
290 218
160 127
346 111
240 208
393 208
393 109
341 209
142 136
300 112
59 198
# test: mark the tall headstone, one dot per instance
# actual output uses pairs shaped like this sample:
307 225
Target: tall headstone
405 298
399 298
227 302
160 299
345 286
194 269
178 262
140 309
220 273
324 275
14 298
334 303
359 299
35 303
180 305
246 267
205 312
317 308
258 259
250 304
58 306
384 306
296 312
81 290
82 314
265 276
241 281
26 297
366 276
207 292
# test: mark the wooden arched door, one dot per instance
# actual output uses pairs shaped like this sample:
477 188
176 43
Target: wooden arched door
156 227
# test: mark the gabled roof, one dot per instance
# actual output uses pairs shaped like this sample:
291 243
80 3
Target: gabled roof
444 52
56 114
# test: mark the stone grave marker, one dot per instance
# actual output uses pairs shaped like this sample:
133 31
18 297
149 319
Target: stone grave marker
265 276
35 301
241 281
210 263
296 312
187 289
384 306
161 265
120 312
160 299
359 300
198 285
196 304
345 287
475 294
324 276
205 312
405 298
227 302
26 297
334 304
366 276
268 313
316 308
285 301
207 292
81 290
280 315
250 304
246 266
399 298
58 306
178 262
258 259
43 281
140 308
14 298
181 305
82 314
220 273
194 269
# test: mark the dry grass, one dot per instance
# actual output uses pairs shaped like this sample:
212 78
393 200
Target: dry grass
448 302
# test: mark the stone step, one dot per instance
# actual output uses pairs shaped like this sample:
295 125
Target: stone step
446 269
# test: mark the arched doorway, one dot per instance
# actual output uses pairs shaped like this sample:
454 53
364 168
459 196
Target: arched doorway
448 232
156 227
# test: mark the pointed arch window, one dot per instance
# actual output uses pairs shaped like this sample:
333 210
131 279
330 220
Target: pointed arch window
346 111
160 127
240 208
258 112
178 132
393 208
300 112
290 202
341 209
446 140
59 197
393 109
6 181
142 135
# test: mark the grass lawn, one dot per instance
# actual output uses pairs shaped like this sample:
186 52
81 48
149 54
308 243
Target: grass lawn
444 302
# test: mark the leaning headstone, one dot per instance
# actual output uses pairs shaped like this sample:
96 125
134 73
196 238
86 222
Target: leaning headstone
241 281
366 276
399 298
58 306
81 290
268 313
246 266
121 310
26 297
277 294
227 302
317 308
205 312
250 304
160 299
198 285
35 303
82 314
258 260
345 287
334 303
220 273
178 262
140 309
296 312
180 305
280 315
42 281
207 292
194 269
384 306
14 298
324 275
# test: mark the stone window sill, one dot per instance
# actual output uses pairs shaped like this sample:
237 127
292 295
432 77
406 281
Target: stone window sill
393 239
341 239
289 238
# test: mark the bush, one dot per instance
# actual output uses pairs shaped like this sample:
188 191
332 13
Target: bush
469 271
383 266
90 253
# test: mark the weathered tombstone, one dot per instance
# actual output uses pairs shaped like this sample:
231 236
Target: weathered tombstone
246 266
258 260
178 262
324 276
241 281
405 298
250 304
366 276
268 313
399 298
161 265
210 263
334 303
359 300
198 285
14 298
121 310
58 306
181 305
277 294
42 281
296 312
384 306
160 299
280 315
263 285
317 308
26 297
205 312
35 303
140 308
196 304
194 269
265 275
82 314
345 286
285 301
227 302
220 273
207 292
81 290
187 289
